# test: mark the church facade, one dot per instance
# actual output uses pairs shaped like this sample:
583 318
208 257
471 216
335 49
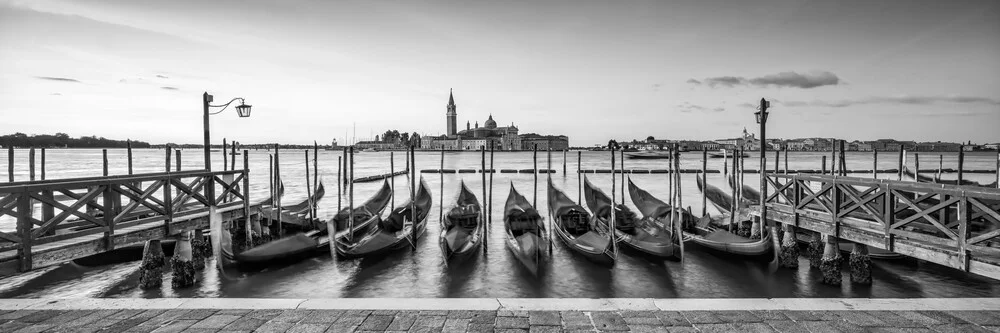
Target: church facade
472 138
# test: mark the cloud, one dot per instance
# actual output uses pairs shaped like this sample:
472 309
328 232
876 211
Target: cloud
56 94
688 107
906 100
162 76
719 109
63 79
782 79
169 88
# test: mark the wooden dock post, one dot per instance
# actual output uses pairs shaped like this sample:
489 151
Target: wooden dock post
486 206
916 166
704 180
670 173
622 155
412 167
43 163
902 163
579 177
392 180
549 178
48 211
441 190
10 164
31 163
961 164
277 182
232 156
786 159
128 153
247 223
489 218
997 182
824 165
308 188
350 195
534 159
940 168
735 203
874 163
181 263
315 176
104 156
833 157
225 161
861 264
178 153
331 224
679 203
151 268
168 199
611 227
831 262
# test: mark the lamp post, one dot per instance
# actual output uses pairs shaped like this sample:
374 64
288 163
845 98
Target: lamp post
761 116
243 110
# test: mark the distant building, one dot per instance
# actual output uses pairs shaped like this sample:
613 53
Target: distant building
863 146
544 142
472 138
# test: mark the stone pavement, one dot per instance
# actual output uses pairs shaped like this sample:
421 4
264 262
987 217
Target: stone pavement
507 315
302 320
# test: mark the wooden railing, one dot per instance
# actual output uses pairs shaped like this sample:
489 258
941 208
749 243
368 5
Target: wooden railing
958 221
78 207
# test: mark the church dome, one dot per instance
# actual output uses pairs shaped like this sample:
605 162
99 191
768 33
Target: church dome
490 123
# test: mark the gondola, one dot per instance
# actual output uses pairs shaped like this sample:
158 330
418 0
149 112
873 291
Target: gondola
305 244
392 233
749 193
650 155
462 228
638 234
724 154
657 212
268 201
927 179
524 231
303 206
573 225
707 235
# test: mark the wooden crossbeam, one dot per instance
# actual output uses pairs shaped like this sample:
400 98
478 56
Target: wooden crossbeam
10 237
916 201
985 211
9 199
141 200
816 196
228 188
862 203
73 209
779 189
183 188
9 209
76 196
983 237
136 189
196 185
925 214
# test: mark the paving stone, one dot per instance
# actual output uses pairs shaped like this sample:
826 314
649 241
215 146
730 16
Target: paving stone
16 314
67 316
681 329
819 327
36 328
943 317
485 317
702 317
738 317
717 327
176 326
433 313
638 314
401 322
544 318
672 318
649 328
198 314
12 325
983 318
512 322
917 318
575 320
769 315
800 315
215 321
376 323
608 321
786 326
753 327
321 316
124 314
90 319
510 330
861 319
545 329
39 316
455 325
264 314
959 328
201 330
244 324
826 315
466 314
363 313
481 327
898 330
385 312
642 321
893 320
165 317
349 321
273 327
338 329
429 321
512 313
424 329
307 328
235 312
993 328
291 316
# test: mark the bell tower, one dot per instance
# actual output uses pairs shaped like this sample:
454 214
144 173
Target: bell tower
452 115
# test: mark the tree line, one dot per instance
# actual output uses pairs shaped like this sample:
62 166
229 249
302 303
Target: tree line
63 140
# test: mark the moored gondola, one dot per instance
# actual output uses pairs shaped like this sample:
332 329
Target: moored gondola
658 213
524 231
707 235
573 225
462 228
641 235
391 233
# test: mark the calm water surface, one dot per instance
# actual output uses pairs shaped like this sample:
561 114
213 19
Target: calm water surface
421 272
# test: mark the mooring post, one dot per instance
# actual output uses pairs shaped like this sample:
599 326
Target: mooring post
412 167
824 164
277 182
961 164
392 180
579 176
309 192
225 161
874 163
901 164
331 224
350 195
128 153
104 157
622 155
861 264
565 151
704 180
10 164
786 159
43 163
181 263
833 157
151 268
670 174
486 206
611 227
48 212
788 257
534 159
441 189
916 167
830 264
997 182
31 164
549 178
178 163
679 202
735 204
315 176
198 250
489 217
816 249
232 156
940 168
168 199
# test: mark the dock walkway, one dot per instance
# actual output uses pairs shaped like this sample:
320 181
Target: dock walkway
501 315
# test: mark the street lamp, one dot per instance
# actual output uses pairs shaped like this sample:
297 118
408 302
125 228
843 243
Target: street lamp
243 110
761 116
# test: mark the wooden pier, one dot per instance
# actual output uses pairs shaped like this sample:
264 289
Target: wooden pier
955 226
99 214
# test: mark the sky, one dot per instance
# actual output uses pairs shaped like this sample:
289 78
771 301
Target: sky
925 70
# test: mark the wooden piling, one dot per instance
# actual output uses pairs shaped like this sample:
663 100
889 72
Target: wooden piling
998 169
843 158
441 190
151 268
961 164
670 173
940 167
579 177
331 225
733 192
232 156
788 256
31 164
489 218
178 163
824 165
830 265
412 167
182 265
777 156
549 177
833 157
10 164
482 168
315 176
277 182
916 166
902 153
874 163
308 188
225 161
104 156
168 199
611 227
861 264
43 163
392 180
622 155
247 226
786 159
534 159
350 195
704 180
128 153
564 161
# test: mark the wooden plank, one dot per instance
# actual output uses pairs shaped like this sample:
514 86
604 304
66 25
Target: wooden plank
66 211
943 243
925 214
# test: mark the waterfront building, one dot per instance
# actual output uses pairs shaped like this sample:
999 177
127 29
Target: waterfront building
473 137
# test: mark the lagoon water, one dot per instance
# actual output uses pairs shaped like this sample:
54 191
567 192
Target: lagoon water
422 273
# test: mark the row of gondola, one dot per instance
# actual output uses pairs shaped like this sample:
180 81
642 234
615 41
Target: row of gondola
595 234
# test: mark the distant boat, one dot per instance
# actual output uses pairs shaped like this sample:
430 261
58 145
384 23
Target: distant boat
370 150
650 155
722 154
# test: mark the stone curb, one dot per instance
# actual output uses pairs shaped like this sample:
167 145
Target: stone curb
515 304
